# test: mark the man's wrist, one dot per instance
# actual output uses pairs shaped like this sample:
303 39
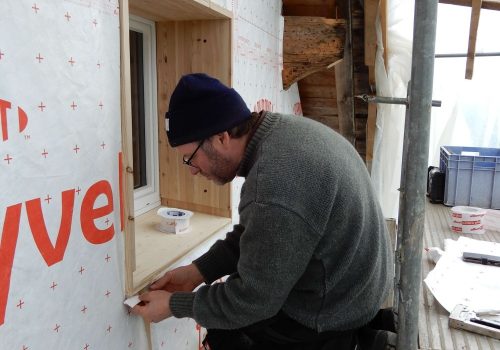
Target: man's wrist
181 304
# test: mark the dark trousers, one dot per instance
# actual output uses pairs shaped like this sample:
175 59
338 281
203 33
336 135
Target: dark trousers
278 333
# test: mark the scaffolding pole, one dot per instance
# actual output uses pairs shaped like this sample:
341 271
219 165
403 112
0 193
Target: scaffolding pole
415 172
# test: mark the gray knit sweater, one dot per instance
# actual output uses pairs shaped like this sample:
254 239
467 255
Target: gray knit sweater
311 240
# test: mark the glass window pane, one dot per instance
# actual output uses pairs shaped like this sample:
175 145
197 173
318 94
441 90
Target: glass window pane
138 115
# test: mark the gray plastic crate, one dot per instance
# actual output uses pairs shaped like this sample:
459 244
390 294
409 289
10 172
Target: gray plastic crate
472 176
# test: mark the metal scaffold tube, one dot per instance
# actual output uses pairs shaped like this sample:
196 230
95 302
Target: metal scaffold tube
415 172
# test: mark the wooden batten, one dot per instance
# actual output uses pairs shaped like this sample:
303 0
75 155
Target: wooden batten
188 47
310 44
370 16
344 82
127 154
383 24
371 7
345 99
370 132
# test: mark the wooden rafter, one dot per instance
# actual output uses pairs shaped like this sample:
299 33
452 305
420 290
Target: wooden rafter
310 44
486 4
474 23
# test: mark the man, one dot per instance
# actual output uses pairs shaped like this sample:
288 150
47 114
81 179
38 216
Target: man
309 262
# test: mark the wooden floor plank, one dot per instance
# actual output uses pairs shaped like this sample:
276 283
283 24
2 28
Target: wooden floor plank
433 326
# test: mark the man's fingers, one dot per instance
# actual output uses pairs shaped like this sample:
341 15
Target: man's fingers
161 282
154 306
146 297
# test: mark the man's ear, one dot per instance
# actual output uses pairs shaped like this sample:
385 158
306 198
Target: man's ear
222 139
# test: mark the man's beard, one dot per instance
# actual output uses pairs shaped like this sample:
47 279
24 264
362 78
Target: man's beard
221 169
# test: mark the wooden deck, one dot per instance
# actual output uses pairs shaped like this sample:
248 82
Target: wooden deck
434 332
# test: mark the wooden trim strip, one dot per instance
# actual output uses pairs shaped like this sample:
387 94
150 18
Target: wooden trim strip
126 121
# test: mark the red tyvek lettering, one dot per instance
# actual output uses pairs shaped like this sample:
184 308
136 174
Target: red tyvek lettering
4 105
10 232
51 253
23 119
88 214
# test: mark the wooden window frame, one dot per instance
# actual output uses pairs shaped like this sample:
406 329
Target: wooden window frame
191 36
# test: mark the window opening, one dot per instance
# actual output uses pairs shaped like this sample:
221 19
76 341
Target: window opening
144 114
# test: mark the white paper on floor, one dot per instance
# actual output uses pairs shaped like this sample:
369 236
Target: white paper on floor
454 281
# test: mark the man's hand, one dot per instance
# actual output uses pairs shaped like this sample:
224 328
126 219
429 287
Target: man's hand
182 279
154 306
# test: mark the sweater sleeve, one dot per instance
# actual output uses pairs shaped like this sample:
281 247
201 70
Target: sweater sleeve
221 259
275 249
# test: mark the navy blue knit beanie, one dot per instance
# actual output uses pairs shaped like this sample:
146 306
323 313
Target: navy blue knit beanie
200 107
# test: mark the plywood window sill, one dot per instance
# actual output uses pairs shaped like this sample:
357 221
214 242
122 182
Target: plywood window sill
156 250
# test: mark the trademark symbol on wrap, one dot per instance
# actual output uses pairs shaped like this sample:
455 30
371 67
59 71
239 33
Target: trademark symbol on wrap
7 120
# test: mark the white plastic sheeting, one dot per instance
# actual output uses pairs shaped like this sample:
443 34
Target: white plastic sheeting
388 145
469 115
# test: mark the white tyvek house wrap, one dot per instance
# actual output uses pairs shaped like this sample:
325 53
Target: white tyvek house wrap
258 56
257 64
62 269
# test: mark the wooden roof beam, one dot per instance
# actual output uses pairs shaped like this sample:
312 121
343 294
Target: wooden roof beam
310 44
486 4
474 24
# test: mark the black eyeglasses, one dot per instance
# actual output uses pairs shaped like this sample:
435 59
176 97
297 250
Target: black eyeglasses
188 161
